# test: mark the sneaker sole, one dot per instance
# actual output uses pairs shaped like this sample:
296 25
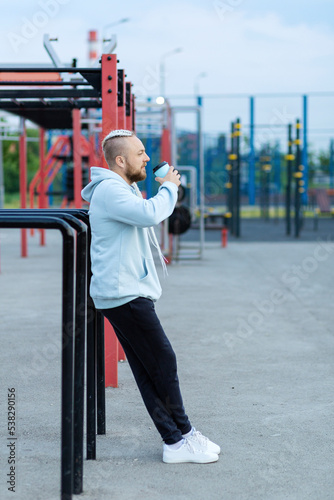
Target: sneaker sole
208 460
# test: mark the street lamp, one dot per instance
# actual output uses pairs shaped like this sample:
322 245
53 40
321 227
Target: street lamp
121 21
196 84
162 69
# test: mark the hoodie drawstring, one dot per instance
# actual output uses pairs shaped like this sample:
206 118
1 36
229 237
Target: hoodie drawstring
152 236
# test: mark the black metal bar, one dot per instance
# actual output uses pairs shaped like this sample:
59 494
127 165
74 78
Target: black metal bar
92 326
91 391
120 87
266 192
90 368
80 340
48 93
265 166
100 386
94 351
92 363
230 181
128 98
234 183
67 410
80 325
297 185
237 178
95 396
288 183
95 392
55 105
261 188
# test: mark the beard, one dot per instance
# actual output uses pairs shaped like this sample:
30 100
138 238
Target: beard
135 175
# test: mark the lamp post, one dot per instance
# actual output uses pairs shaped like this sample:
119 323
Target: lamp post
196 84
163 69
111 25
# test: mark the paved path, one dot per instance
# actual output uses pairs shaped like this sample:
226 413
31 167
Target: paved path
273 230
252 326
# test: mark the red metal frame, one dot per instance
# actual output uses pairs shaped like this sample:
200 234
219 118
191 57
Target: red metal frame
49 161
122 125
53 164
128 124
23 182
111 345
112 118
109 95
224 237
109 122
93 160
42 191
166 153
77 160
166 145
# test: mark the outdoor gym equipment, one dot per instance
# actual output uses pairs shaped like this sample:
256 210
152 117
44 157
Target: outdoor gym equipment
233 183
295 170
72 341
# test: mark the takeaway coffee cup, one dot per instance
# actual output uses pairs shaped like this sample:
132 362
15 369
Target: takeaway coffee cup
161 170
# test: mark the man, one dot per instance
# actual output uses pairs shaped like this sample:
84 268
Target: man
125 286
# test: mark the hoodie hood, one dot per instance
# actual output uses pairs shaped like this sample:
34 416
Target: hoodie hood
97 175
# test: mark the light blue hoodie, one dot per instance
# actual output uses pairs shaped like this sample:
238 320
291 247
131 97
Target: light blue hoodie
122 262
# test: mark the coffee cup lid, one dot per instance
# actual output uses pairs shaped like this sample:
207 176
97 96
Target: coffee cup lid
159 166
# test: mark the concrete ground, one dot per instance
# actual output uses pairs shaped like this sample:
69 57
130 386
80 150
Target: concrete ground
252 326
272 230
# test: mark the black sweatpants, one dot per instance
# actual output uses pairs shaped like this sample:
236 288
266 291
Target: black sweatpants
153 364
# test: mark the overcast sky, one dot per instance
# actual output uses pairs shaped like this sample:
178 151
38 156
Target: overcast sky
244 46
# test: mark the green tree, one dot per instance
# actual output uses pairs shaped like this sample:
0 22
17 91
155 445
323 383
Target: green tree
11 161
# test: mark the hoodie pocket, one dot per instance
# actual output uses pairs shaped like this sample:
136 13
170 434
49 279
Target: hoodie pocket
149 285
144 272
131 276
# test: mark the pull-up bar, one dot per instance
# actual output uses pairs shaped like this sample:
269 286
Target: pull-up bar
67 395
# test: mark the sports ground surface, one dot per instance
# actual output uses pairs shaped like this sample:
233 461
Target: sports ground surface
252 327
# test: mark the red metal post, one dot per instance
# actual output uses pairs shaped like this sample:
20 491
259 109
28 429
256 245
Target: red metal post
93 161
121 117
109 95
170 247
122 125
77 163
166 153
23 182
42 195
121 353
109 123
224 237
111 355
166 143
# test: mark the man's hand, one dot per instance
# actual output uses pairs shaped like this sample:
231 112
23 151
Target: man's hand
171 176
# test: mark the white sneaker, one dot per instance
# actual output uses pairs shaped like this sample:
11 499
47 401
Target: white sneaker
203 443
187 453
